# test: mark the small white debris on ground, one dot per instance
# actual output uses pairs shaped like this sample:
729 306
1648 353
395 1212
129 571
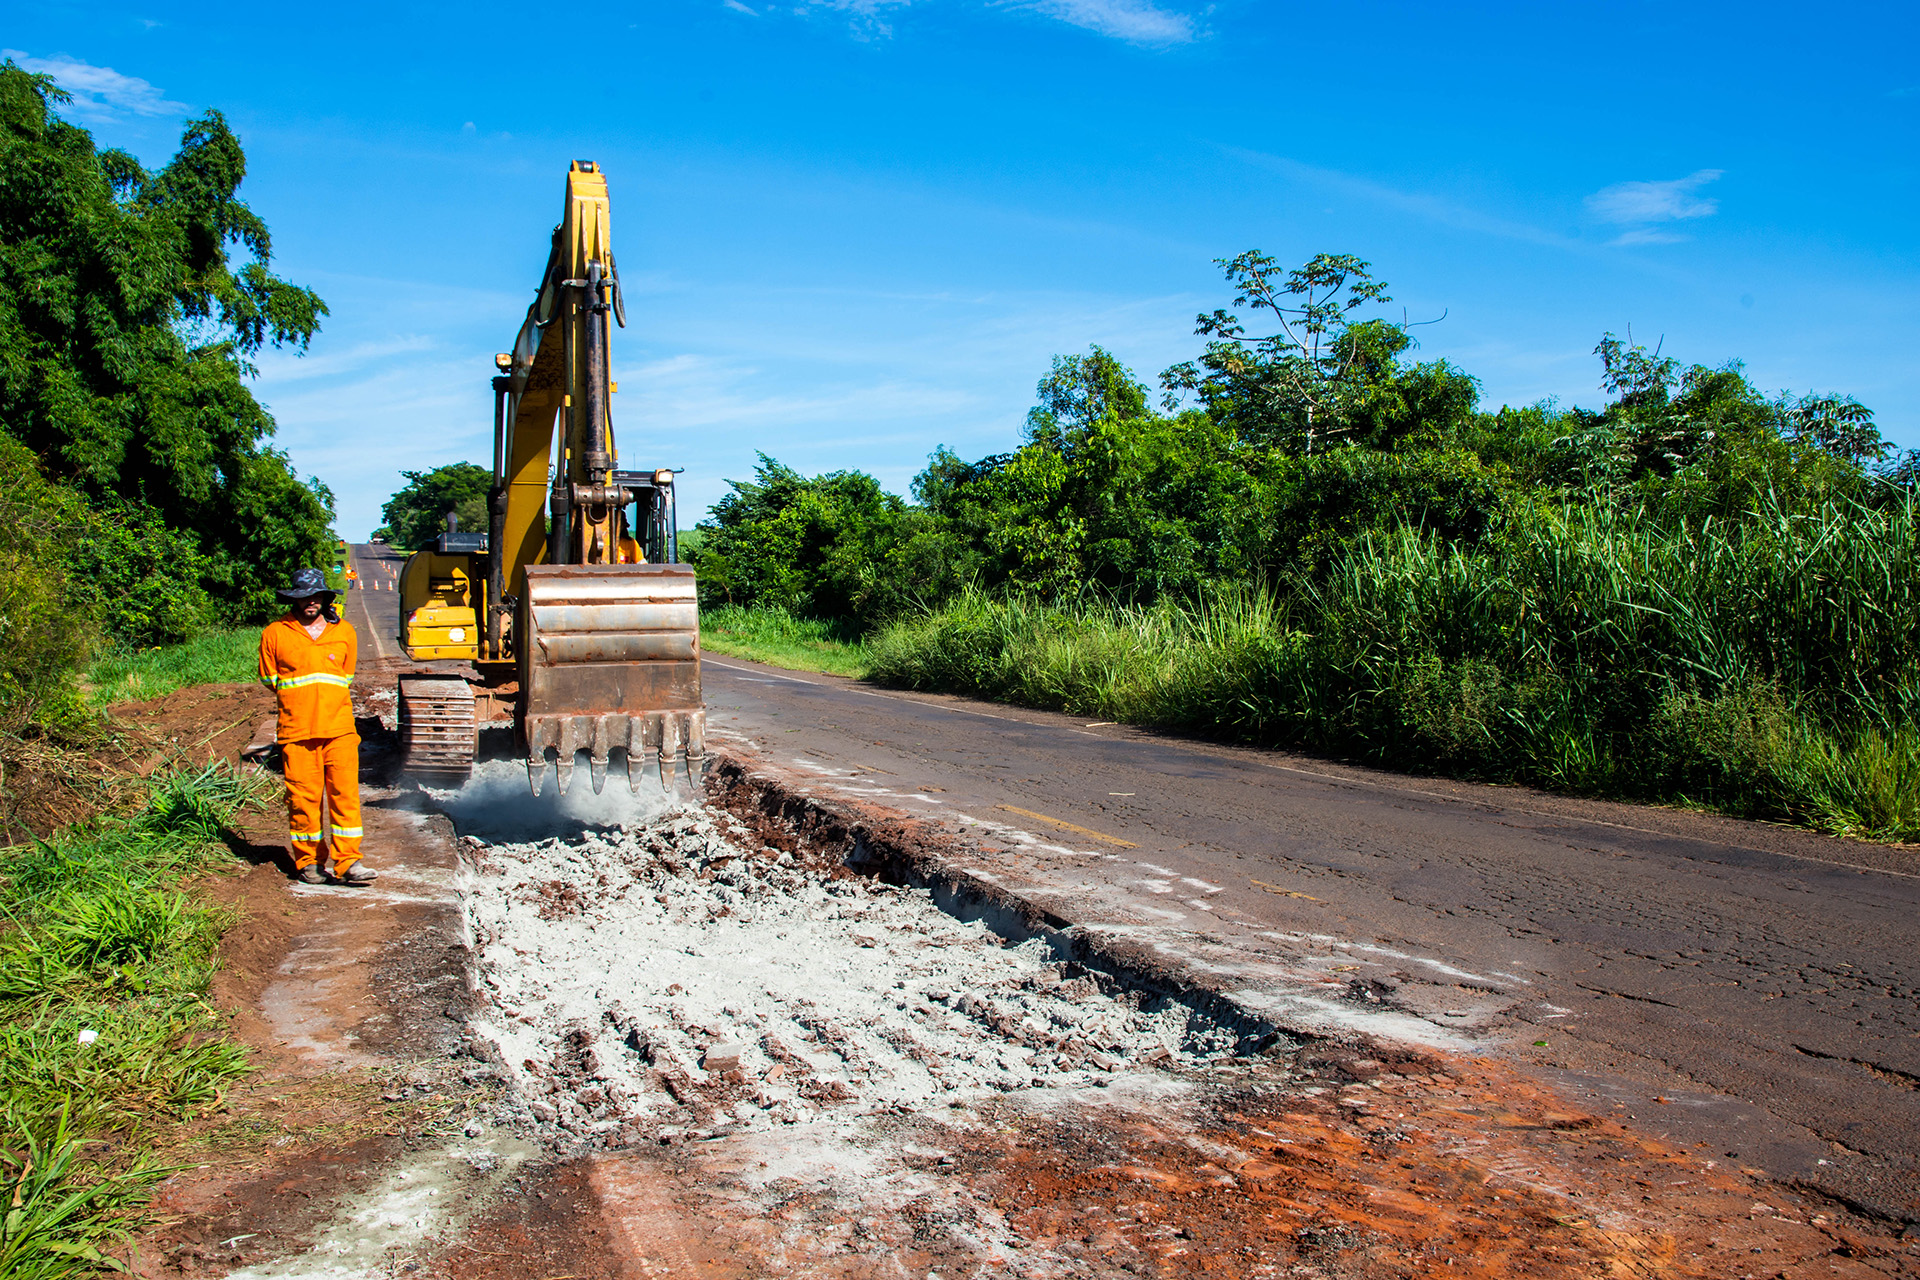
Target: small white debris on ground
658 975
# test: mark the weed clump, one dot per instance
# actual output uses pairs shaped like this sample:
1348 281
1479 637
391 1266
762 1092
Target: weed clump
104 1022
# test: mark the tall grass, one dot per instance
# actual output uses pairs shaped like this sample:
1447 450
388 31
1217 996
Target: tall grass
775 636
104 1025
62 1215
1768 666
212 657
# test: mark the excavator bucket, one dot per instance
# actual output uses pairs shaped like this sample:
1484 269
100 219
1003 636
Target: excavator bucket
611 661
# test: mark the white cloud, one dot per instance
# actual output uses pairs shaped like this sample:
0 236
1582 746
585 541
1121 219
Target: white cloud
99 93
1135 21
1646 235
867 21
737 7
1631 203
1438 209
278 366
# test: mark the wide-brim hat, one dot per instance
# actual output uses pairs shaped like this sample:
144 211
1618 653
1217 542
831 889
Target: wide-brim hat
306 583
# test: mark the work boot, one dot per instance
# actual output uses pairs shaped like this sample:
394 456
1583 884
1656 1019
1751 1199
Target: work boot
357 874
309 875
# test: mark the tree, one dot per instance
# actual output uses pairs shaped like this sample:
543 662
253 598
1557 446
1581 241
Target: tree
1106 492
1668 422
1291 388
1839 425
1079 395
417 514
126 334
836 547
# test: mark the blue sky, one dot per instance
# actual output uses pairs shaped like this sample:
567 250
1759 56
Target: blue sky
852 230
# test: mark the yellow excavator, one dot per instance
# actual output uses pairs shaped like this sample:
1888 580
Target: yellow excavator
571 607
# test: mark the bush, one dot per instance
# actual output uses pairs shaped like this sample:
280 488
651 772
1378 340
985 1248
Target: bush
1769 667
75 581
836 547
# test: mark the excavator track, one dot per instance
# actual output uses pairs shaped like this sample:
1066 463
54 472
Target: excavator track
437 729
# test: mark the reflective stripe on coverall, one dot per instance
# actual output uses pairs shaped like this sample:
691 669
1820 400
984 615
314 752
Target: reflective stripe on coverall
320 752
332 766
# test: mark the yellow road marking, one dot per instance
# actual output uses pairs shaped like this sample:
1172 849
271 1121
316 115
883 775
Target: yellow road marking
1068 826
1290 893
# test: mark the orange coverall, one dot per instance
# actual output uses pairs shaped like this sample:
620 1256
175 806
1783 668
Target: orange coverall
318 747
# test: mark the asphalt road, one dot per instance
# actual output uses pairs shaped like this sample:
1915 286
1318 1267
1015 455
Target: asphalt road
1732 984
373 604
1760 980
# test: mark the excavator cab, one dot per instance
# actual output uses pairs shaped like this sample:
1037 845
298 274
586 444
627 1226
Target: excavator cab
440 601
573 604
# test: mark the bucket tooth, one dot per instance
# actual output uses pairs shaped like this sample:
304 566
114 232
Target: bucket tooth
670 748
611 730
696 739
570 743
536 768
603 731
636 744
650 745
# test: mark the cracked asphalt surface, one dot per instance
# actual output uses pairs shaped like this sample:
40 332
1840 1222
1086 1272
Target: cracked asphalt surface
1721 983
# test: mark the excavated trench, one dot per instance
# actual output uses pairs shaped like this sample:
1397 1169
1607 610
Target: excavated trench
657 972
778 1034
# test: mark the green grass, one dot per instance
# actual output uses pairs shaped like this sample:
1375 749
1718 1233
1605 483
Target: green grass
776 637
214 657
1770 668
64 1213
105 961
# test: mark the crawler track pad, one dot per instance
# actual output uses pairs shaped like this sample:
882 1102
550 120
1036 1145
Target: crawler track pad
437 730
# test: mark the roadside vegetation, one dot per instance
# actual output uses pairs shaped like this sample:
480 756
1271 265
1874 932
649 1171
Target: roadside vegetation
773 635
1697 593
144 521
141 502
105 1030
225 655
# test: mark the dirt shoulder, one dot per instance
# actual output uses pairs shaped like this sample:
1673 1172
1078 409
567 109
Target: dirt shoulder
350 1004
375 1107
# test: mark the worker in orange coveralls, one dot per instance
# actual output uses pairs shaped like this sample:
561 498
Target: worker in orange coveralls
307 658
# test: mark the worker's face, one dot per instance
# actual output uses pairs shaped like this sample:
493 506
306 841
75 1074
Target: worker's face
308 609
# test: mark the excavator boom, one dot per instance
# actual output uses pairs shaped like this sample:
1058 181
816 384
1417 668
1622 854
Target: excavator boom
588 607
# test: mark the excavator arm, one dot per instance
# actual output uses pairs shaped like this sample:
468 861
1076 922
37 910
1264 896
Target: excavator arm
584 597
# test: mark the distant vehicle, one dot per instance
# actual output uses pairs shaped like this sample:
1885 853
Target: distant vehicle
379 538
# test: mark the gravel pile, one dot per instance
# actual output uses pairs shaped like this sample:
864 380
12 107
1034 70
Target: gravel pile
662 976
